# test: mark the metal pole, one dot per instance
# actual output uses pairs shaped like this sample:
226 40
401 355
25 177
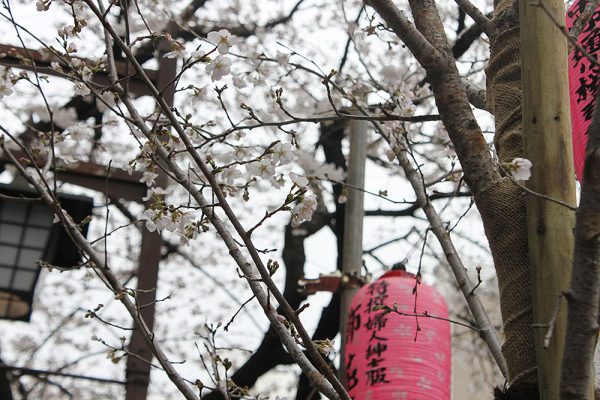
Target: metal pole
353 227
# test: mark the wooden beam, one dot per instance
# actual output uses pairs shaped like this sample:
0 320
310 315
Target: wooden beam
34 60
115 183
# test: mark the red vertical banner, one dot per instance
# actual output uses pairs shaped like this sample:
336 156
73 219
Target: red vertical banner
583 80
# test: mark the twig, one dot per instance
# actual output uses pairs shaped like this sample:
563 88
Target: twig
480 19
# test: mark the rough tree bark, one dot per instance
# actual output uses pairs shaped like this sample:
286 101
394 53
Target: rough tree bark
584 294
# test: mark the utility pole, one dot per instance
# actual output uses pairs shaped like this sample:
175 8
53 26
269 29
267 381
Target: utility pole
547 144
353 227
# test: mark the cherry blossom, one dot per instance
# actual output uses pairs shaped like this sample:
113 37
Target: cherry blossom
222 39
219 67
5 88
263 168
298 180
304 210
520 169
199 95
152 192
198 55
151 218
148 178
282 153
239 82
230 174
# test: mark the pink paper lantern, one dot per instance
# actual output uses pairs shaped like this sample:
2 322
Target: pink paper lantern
583 81
391 356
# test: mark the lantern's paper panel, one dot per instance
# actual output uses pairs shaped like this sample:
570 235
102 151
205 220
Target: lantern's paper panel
583 81
389 356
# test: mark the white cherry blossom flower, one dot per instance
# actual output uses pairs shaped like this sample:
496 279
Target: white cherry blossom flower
169 223
198 55
282 59
263 168
86 74
219 67
174 54
282 153
239 82
148 178
177 50
56 66
199 95
304 211
152 192
5 88
71 48
520 169
298 180
77 63
230 174
222 39
151 217
188 232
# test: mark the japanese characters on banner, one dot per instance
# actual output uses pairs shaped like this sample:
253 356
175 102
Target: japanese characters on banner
391 356
583 81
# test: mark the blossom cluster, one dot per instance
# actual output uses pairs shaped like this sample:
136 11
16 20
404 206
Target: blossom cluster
174 221
6 83
304 210
220 66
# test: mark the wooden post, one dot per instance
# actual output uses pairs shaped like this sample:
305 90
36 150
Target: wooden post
353 226
548 144
138 371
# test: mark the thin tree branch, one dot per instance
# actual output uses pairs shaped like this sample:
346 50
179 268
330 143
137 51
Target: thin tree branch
419 46
480 19
487 331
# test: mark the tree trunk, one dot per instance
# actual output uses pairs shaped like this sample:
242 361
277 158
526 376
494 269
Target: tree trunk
582 327
506 226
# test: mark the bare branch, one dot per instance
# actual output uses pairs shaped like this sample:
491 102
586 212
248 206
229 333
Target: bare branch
477 16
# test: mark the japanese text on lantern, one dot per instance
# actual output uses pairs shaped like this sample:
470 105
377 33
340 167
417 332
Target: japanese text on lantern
586 88
375 374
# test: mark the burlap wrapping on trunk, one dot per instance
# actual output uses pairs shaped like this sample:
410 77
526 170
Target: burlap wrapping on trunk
502 206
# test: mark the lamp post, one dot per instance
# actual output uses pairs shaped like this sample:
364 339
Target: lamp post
27 235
